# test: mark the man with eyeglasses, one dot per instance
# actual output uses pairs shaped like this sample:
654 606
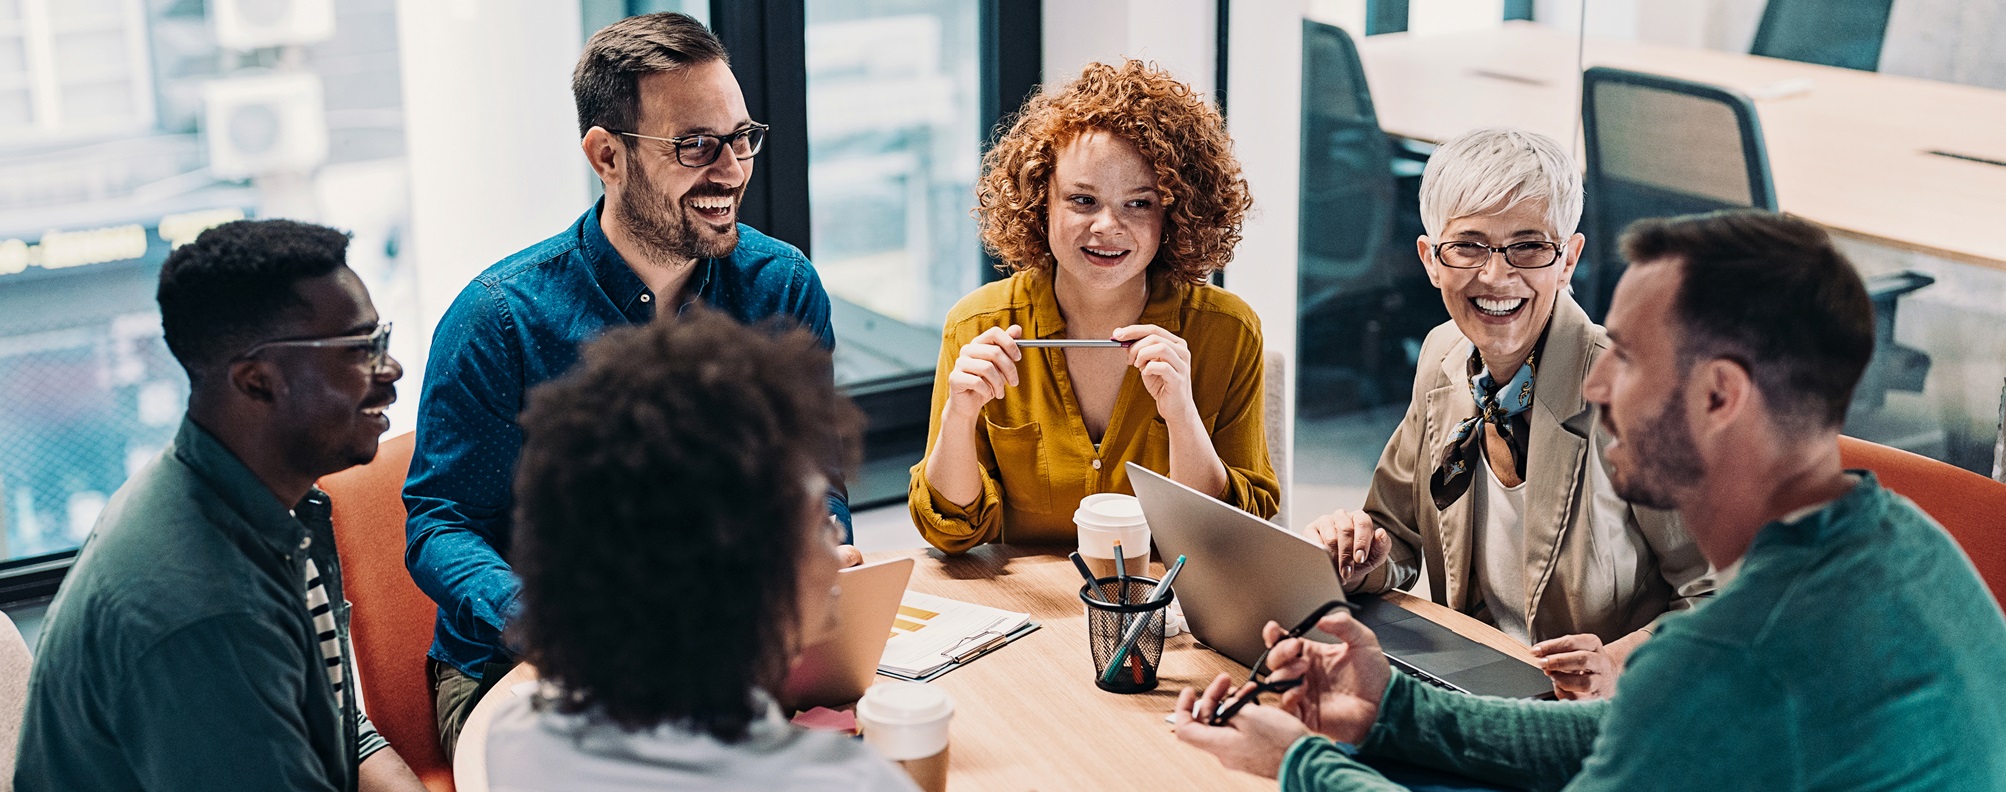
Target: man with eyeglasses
664 125
1495 480
201 640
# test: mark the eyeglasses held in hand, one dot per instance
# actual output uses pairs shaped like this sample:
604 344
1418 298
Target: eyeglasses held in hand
376 343
699 151
1472 255
1259 674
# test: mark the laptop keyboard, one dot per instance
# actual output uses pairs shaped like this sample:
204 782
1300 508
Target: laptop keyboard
1421 675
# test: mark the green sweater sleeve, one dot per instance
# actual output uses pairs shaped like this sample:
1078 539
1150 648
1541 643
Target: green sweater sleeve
1315 764
1528 744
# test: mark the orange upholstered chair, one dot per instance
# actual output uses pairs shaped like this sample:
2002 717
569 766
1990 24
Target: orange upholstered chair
391 624
1970 506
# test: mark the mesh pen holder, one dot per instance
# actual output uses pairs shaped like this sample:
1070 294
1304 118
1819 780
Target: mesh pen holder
1109 621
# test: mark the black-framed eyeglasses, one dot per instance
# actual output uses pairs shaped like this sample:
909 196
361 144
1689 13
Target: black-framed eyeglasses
375 342
700 150
1259 674
1474 255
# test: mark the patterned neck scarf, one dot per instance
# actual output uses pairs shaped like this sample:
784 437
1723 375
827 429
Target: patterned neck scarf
1502 407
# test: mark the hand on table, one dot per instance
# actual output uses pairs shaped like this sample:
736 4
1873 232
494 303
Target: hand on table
985 369
1356 548
1165 363
1579 665
1254 741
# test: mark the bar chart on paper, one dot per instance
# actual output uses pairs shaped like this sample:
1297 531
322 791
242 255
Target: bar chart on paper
929 633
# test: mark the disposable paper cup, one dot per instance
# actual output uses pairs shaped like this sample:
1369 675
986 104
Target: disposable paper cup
1109 517
907 723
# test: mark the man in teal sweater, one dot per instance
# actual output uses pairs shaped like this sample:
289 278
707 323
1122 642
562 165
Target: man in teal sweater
1856 647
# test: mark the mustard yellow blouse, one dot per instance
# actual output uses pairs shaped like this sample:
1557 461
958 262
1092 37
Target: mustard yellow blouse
1037 461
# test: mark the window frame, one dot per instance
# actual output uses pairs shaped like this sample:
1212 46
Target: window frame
768 43
767 40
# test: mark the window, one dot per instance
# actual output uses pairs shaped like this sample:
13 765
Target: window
894 145
72 68
894 149
127 127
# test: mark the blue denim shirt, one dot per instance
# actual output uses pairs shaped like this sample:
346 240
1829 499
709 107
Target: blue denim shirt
519 324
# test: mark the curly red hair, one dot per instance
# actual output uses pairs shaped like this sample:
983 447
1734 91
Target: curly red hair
1204 196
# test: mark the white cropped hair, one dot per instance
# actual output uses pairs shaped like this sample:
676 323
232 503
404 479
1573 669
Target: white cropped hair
1489 171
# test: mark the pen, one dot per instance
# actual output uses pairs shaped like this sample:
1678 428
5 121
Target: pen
1134 632
1168 576
1081 564
1072 343
1120 574
1120 588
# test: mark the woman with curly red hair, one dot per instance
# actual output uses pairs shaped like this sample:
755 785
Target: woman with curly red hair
1111 203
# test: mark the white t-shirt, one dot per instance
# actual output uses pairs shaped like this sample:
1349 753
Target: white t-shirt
1499 550
532 750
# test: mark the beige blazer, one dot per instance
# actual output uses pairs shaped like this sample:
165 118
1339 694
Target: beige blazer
1580 577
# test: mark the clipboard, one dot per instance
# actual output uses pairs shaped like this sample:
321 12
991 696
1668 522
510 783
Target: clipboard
967 656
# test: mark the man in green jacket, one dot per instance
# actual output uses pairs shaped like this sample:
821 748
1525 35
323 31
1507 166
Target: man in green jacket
201 640
1856 647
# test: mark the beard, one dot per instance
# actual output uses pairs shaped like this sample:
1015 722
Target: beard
1666 460
664 226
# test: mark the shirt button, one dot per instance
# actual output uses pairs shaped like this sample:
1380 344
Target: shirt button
1097 464
307 541
647 298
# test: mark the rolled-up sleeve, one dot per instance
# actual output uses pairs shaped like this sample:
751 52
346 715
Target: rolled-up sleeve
458 493
367 741
954 528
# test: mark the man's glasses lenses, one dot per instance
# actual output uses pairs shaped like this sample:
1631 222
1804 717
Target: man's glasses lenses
379 345
375 343
1523 255
696 151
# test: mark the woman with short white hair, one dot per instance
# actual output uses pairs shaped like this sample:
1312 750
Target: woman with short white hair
1495 478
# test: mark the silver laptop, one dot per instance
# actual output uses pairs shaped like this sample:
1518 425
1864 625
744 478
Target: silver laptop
1242 572
837 670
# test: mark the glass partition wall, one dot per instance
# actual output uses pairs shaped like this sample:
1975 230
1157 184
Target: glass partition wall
1385 81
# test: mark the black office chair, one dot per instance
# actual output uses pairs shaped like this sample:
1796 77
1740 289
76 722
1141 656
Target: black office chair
1355 281
1659 147
1347 177
1845 33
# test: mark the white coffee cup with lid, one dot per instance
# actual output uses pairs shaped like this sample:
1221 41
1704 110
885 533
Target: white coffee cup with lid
1108 517
907 723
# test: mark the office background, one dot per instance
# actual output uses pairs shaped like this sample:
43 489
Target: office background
441 134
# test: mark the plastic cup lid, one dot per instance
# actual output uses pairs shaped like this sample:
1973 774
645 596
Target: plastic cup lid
905 702
1108 511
